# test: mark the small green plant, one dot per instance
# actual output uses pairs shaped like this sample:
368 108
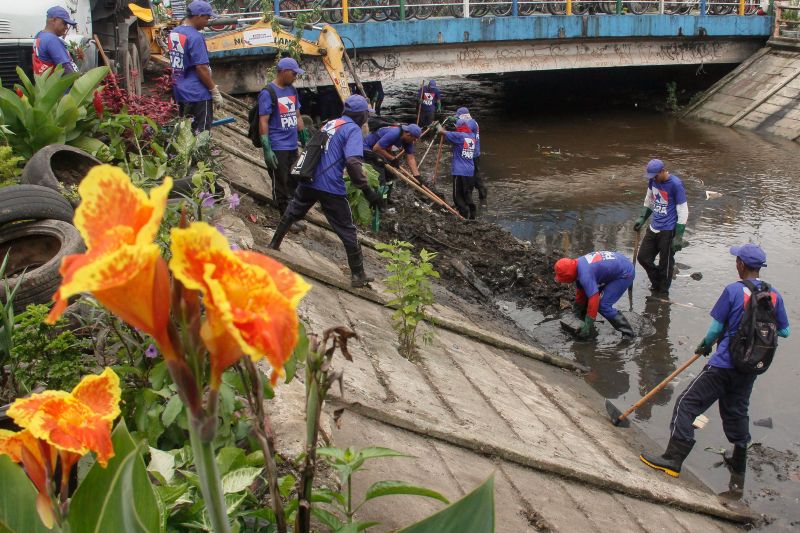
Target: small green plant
359 206
9 166
409 283
46 355
6 325
341 516
672 96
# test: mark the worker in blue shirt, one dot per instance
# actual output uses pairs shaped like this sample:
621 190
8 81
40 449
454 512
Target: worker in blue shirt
49 48
280 126
720 380
666 201
430 101
193 87
462 166
464 114
378 147
601 278
343 150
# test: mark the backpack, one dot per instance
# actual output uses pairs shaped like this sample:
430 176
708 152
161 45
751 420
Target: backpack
306 165
753 346
252 115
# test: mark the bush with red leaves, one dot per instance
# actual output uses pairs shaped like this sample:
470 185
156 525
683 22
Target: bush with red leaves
151 106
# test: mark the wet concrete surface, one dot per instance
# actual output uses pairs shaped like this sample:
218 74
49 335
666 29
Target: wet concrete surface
570 177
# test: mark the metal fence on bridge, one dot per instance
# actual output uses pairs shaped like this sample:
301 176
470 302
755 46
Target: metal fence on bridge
358 11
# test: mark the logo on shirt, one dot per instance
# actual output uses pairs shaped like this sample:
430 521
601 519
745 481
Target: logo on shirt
287 107
329 129
427 98
596 257
468 148
660 201
177 49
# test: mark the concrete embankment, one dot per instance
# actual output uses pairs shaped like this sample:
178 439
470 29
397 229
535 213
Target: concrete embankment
474 403
762 94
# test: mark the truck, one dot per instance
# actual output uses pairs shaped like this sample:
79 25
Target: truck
125 38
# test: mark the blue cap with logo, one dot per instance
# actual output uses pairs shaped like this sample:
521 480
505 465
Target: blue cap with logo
199 8
413 129
432 83
59 12
654 167
356 103
751 255
462 111
289 63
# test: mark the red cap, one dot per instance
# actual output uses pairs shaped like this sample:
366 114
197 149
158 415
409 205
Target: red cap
566 270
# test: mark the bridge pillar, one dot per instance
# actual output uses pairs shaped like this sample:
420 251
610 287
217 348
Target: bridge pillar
402 9
619 7
514 8
703 7
276 7
569 7
466 9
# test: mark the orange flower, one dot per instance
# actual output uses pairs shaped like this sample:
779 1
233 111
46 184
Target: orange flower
251 300
122 265
76 422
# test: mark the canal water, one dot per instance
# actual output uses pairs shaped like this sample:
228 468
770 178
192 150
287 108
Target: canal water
564 161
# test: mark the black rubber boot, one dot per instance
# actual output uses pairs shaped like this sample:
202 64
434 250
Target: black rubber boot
358 278
737 464
389 187
672 459
621 324
280 233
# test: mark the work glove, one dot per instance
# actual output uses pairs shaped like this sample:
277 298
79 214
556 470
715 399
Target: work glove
395 162
587 330
418 178
375 200
440 129
439 107
646 212
677 240
703 348
302 135
270 158
216 96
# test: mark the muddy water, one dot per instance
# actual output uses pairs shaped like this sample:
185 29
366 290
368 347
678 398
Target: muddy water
570 177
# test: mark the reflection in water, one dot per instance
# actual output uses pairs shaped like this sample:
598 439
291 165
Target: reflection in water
655 359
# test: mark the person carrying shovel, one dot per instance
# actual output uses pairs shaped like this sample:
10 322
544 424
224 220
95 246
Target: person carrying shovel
724 378
601 278
666 201
378 145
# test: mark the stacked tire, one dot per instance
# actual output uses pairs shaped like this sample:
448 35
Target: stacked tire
36 230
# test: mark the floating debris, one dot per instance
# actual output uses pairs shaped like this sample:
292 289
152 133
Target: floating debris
711 195
764 422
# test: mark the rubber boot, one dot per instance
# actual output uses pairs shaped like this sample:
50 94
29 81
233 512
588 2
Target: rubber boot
389 186
358 278
621 324
737 464
672 459
280 233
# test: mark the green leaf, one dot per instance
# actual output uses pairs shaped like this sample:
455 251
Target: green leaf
163 463
119 497
327 518
388 488
172 410
285 485
86 84
18 501
336 453
374 452
240 479
474 513
230 458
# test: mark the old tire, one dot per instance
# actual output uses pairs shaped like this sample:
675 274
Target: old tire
58 163
36 249
33 202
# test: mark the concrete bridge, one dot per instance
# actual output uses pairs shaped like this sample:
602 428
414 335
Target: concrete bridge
414 49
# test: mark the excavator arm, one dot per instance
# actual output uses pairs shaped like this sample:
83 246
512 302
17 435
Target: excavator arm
328 47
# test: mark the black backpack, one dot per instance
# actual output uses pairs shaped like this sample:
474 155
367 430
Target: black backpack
753 346
252 115
305 167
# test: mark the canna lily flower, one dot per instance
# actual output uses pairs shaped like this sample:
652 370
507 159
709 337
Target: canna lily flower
251 300
122 266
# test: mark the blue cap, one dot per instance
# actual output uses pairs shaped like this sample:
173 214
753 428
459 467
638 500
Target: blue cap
462 111
413 129
751 255
289 63
59 12
199 8
654 167
356 103
432 83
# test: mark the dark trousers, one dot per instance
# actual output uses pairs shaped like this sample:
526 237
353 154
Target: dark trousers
335 208
283 185
201 113
462 195
426 116
482 192
728 386
658 244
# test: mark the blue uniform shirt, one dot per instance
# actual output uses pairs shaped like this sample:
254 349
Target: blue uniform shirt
429 96
48 51
597 269
187 49
283 124
344 140
665 197
473 124
463 152
387 137
729 310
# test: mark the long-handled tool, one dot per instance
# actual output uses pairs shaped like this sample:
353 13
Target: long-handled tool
423 189
419 100
635 254
438 157
621 419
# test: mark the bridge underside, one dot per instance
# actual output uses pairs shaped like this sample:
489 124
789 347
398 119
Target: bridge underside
248 74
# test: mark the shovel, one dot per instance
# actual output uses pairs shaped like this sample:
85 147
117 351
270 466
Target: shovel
621 419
